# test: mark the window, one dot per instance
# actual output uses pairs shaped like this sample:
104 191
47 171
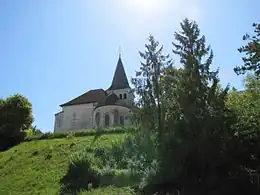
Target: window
97 118
124 95
122 122
116 117
74 119
120 96
107 118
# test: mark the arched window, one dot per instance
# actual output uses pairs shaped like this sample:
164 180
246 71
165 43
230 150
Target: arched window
97 119
107 118
116 117
120 96
74 119
124 95
122 120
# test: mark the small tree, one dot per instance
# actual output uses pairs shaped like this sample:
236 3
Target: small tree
252 53
147 85
15 117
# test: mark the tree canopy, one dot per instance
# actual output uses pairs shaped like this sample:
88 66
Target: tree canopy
199 151
251 51
15 117
246 104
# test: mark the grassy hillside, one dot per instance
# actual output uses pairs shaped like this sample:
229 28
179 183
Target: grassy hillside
37 167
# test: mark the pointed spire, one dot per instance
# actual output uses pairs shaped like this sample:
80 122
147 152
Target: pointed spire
119 80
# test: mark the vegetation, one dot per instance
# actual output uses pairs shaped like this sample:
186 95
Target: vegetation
91 132
198 119
193 136
38 167
246 104
252 53
15 117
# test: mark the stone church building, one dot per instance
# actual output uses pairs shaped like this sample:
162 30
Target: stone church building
98 107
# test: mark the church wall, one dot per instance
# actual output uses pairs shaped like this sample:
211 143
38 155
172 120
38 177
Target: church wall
121 93
77 117
58 121
123 111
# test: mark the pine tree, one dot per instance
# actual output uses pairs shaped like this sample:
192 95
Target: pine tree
147 84
193 139
252 53
196 59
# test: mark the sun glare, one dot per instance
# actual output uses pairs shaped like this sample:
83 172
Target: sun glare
145 16
146 5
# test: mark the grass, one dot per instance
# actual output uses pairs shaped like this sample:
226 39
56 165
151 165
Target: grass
80 133
108 191
37 167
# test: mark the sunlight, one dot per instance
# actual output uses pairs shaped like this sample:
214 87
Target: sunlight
146 5
149 4
145 16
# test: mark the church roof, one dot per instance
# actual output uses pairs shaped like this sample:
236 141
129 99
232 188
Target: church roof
112 100
92 96
119 80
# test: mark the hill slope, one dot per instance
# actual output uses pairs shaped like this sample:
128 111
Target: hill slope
37 167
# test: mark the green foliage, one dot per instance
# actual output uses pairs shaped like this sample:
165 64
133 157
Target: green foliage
15 117
122 164
252 53
81 174
199 125
246 104
109 191
135 153
93 132
147 85
32 132
193 136
38 167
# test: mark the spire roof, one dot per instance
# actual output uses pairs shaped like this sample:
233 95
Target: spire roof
119 80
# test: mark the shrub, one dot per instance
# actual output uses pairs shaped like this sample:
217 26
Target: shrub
134 155
81 175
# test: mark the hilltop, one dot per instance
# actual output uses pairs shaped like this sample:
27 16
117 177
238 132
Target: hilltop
39 166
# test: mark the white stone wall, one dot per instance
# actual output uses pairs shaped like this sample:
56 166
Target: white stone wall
58 121
77 117
123 111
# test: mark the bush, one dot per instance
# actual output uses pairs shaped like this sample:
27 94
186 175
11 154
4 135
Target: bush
133 156
32 132
81 175
87 172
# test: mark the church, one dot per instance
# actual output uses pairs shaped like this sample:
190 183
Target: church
98 108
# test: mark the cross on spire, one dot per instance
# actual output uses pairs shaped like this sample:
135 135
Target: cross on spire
120 79
120 52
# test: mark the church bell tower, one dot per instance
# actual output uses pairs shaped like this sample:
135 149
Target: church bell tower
120 85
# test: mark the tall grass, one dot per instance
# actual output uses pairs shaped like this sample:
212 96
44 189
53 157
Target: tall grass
90 132
126 162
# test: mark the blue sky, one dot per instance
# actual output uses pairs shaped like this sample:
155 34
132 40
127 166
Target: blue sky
54 50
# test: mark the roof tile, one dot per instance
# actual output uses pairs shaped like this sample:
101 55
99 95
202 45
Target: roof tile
92 96
119 80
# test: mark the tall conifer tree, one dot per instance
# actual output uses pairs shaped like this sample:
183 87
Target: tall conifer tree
193 141
147 84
